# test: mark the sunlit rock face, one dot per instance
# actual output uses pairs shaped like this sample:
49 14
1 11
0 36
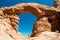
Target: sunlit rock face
48 20
47 36
8 27
41 25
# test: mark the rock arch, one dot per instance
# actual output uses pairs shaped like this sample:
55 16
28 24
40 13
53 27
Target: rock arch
42 12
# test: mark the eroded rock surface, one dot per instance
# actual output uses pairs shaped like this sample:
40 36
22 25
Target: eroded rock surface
48 20
47 36
41 25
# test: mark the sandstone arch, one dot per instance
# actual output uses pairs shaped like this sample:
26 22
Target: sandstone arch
9 16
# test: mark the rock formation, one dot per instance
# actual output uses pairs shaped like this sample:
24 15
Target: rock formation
57 3
48 20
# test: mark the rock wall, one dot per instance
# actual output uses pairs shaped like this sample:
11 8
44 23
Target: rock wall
48 20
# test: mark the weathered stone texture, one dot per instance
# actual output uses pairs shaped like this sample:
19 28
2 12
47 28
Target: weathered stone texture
41 25
48 20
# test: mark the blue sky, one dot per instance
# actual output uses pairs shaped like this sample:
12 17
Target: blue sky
26 20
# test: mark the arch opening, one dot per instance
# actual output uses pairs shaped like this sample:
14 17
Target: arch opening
26 23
